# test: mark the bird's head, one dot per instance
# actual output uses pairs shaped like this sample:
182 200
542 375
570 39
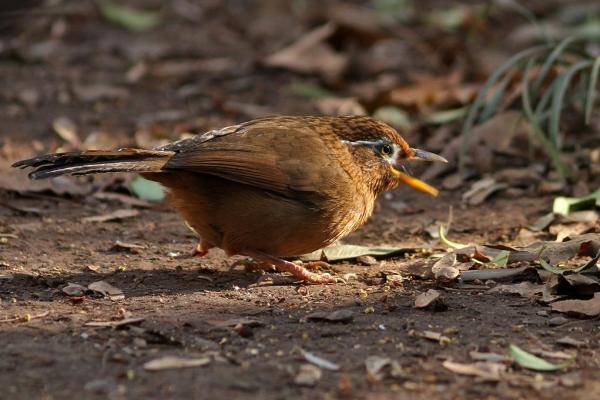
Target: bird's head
383 152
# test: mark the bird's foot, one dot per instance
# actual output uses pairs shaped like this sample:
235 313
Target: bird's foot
299 272
199 251
251 265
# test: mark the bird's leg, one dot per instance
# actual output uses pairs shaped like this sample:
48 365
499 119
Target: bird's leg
298 271
250 264
200 250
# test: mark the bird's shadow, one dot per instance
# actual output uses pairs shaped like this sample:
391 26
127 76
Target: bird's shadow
137 282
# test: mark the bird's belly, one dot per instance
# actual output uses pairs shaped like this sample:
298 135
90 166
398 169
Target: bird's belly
240 218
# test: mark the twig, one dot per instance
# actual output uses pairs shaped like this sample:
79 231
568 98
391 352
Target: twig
25 318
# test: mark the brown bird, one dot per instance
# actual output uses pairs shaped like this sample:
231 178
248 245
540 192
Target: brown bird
268 188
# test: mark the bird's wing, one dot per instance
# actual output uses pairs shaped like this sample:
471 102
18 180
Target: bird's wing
264 154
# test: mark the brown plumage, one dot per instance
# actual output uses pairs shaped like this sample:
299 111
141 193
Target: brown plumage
267 188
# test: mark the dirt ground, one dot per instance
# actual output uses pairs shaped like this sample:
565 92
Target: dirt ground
254 332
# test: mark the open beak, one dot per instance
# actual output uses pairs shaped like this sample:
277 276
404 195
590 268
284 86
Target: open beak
417 183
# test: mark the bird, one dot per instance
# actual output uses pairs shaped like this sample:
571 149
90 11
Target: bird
269 188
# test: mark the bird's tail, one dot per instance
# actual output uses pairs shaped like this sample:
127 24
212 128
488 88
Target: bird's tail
95 161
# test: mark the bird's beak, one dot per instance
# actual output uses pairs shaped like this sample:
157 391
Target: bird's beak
427 156
414 182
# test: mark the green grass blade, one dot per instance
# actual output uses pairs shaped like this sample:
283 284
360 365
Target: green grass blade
492 104
562 84
554 55
592 91
475 107
549 148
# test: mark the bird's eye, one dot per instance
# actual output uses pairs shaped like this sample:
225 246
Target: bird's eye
386 150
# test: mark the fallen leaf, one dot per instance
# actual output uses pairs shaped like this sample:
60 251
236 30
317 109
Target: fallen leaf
128 246
529 361
343 316
494 273
489 371
485 139
116 215
491 357
98 92
73 289
127 17
566 205
311 54
542 223
430 298
172 362
147 190
340 106
341 252
318 361
433 92
444 269
379 368
115 324
107 290
524 289
579 308
227 323
124 199
308 375
570 342
67 130
481 190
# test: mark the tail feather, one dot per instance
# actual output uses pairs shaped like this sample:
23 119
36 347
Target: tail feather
95 161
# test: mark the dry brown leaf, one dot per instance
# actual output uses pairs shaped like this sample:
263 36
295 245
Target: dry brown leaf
379 368
481 190
67 130
106 289
343 316
171 362
430 298
483 142
489 371
115 324
444 269
113 216
73 289
579 308
308 375
524 289
340 106
434 92
311 54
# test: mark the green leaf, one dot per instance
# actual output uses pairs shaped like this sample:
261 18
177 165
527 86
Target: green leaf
592 91
566 205
551 268
529 361
147 190
127 17
501 258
